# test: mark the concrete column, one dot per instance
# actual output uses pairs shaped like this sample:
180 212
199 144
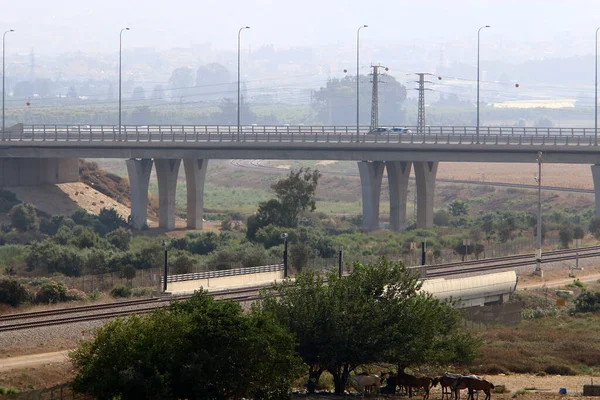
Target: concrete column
139 179
166 173
371 173
596 178
195 174
425 172
398 173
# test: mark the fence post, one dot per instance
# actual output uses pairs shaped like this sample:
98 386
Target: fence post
341 262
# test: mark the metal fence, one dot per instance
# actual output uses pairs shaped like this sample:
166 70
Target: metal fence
224 273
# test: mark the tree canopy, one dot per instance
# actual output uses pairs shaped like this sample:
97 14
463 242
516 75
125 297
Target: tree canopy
198 349
375 314
295 194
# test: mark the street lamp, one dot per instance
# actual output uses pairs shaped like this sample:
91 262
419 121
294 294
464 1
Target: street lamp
120 51
284 236
538 251
596 93
164 243
238 81
478 38
4 76
358 80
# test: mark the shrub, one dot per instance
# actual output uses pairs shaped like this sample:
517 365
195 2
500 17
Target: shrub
501 389
559 370
75 295
183 264
587 302
120 291
23 217
140 292
119 238
7 200
51 292
13 293
110 218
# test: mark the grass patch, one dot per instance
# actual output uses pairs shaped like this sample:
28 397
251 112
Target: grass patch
557 345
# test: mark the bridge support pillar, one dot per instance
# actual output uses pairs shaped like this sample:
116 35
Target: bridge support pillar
398 173
371 173
425 173
596 178
139 179
195 174
166 174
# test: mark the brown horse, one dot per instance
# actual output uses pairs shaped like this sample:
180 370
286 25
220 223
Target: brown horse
473 384
412 382
451 385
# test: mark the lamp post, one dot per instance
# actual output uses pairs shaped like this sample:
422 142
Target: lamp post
358 80
4 76
478 40
596 92
538 251
238 81
120 57
284 236
166 267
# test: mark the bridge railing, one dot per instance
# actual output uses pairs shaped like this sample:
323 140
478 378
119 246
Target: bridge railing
303 134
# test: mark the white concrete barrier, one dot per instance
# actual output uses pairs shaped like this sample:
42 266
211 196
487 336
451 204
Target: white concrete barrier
224 279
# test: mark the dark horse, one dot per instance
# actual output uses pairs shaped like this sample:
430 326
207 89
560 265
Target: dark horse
473 383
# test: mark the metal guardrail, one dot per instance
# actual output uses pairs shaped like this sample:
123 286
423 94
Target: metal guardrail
224 273
458 135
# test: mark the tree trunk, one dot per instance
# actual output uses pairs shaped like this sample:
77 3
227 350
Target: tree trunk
340 378
314 374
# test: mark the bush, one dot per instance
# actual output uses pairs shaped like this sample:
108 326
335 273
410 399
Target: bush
183 264
50 258
111 219
23 217
119 238
141 292
559 370
13 293
51 292
75 295
587 302
120 291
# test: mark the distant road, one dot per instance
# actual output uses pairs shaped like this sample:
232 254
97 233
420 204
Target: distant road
256 164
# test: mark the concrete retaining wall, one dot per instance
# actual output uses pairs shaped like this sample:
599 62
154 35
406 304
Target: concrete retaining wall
37 171
225 281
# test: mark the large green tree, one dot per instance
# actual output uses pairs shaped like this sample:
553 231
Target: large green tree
295 194
375 314
198 349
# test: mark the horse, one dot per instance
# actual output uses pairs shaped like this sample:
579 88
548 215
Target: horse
412 382
474 383
448 383
366 383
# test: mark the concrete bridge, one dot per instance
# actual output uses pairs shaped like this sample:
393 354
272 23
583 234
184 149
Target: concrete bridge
35 154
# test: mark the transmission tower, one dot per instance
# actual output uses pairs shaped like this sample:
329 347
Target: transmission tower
375 96
421 89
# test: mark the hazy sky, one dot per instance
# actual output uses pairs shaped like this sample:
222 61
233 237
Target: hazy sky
59 26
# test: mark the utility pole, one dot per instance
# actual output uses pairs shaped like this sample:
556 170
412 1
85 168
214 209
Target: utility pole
538 251
375 96
421 111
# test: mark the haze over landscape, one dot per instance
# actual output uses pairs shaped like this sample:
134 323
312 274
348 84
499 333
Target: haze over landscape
430 234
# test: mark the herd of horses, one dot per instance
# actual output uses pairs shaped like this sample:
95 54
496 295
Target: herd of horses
451 384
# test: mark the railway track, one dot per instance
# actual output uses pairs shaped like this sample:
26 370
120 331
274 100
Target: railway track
111 310
57 317
509 262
